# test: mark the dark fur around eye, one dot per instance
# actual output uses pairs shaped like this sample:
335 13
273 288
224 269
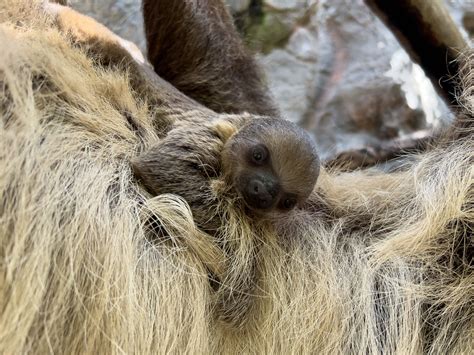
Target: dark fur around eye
288 203
258 154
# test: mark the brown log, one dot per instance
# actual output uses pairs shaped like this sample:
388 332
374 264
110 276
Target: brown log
428 33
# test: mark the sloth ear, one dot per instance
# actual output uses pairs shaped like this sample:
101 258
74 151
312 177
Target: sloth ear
224 129
194 45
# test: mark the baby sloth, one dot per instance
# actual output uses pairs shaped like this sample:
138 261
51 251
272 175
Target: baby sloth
271 164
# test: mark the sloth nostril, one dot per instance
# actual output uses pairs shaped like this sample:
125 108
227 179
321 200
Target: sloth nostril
257 195
256 187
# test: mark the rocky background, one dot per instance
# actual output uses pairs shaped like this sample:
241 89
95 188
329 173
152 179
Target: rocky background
331 65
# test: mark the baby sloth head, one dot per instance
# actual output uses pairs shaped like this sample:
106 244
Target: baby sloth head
272 163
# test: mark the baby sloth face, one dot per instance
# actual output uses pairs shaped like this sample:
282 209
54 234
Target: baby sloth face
273 165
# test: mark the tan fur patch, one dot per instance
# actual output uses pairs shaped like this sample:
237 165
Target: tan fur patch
84 28
224 129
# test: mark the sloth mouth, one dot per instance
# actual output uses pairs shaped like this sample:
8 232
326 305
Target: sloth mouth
257 203
271 216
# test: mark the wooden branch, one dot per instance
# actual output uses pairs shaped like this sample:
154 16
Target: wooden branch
430 36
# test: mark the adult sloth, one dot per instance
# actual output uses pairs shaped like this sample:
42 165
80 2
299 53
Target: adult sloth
374 262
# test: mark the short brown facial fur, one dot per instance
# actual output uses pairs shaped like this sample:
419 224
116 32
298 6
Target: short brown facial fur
273 165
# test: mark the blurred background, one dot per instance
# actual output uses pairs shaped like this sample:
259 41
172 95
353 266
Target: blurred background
332 66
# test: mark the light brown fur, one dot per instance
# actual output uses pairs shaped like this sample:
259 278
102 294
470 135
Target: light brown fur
374 263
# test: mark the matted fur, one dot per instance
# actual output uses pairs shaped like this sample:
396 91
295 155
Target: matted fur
377 263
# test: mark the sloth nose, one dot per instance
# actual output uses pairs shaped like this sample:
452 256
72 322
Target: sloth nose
260 194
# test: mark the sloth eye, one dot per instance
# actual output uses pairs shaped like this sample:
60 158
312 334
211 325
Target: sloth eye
259 154
289 203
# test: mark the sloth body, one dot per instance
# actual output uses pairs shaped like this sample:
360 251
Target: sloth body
387 268
204 145
271 164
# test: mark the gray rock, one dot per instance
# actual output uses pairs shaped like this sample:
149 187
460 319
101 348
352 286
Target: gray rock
349 81
290 82
124 17
270 31
286 4
331 65
468 22
303 44
463 13
237 6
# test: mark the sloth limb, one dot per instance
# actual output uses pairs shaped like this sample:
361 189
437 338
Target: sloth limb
430 36
112 51
195 46
183 163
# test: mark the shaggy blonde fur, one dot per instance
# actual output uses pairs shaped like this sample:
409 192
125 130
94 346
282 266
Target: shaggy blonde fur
377 263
